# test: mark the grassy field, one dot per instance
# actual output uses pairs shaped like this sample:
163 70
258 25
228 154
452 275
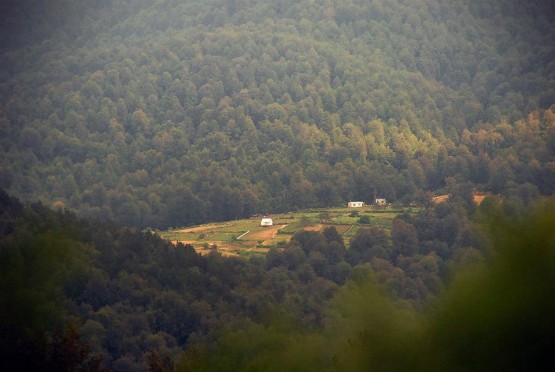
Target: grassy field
246 237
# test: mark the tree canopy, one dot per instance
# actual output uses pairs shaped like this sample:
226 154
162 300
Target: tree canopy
171 113
447 288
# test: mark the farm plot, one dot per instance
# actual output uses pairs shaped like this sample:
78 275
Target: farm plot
247 237
263 234
195 229
345 219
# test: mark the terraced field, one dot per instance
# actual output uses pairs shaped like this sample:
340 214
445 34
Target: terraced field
247 237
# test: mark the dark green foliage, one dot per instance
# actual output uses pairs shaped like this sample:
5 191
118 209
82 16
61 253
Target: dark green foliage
332 235
365 220
404 238
94 295
173 113
73 290
43 265
67 352
367 244
507 318
494 316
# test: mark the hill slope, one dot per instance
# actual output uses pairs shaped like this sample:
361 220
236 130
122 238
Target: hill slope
172 113
79 295
248 236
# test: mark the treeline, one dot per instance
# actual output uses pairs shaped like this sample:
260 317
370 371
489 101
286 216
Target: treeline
79 294
175 113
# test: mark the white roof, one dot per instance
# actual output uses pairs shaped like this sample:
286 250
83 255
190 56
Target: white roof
266 222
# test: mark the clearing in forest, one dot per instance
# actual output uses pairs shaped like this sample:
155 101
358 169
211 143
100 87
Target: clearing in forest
246 237
264 234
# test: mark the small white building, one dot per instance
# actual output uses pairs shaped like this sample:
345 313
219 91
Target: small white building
380 202
266 222
356 204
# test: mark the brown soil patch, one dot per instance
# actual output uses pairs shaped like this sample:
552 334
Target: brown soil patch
228 251
341 229
199 228
478 199
313 228
225 253
440 199
259 250
267 233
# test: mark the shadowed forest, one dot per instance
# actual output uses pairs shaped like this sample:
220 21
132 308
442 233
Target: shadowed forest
120 118
79 294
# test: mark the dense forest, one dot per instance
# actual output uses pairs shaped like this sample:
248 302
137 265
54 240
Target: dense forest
122 117
79 294
172 113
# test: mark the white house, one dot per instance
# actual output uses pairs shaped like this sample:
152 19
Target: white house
266 222
356 204
380 202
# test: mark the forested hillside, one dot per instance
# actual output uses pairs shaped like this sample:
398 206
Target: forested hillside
436 294
165 113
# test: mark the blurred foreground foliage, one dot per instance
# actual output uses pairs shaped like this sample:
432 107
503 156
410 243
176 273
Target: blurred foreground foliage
450 288
495 316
